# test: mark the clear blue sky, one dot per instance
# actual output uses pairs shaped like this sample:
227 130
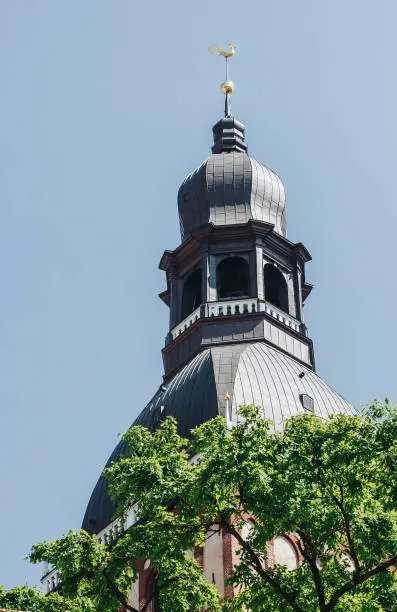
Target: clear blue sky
105 106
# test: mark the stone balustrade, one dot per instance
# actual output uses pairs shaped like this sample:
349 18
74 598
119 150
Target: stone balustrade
110 533
107 537
244 306
231 307
51 580
280 315
186 323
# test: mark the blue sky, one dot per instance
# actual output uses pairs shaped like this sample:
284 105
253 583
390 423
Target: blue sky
104 108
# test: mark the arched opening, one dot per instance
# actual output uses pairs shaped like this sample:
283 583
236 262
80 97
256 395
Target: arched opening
285 553
233 278
152 594
191 295
276 290
213 558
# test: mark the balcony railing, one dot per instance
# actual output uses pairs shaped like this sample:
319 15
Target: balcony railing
107 537
244 306
231 307
280 315
186 323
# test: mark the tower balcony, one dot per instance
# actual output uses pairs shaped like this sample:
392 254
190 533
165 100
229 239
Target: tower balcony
51 578
234 308
236 320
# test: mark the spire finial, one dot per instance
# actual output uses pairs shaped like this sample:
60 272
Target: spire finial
227 86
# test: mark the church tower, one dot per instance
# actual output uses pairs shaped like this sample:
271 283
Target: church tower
235 289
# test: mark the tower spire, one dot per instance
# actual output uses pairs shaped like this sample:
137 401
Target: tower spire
227 85
228 132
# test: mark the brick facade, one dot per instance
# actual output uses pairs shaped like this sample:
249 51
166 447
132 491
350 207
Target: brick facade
230 559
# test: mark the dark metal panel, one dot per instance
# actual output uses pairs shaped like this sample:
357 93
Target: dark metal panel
190 397
230 189
251 373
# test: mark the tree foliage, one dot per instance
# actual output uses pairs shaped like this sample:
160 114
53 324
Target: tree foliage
33 600
331 483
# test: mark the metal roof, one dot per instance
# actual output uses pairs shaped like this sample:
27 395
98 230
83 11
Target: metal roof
252 373
231 188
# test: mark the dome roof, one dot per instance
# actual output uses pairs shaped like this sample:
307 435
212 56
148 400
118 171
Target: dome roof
231 188
253 373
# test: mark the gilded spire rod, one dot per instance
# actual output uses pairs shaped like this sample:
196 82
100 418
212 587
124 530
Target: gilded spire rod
227 86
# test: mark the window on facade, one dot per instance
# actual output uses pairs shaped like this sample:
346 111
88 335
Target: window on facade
213 558
247 529
275 286
191 296
347 562
232 278
152 594
284 553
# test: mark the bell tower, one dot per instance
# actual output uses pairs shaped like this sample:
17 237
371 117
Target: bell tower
235 277
235 290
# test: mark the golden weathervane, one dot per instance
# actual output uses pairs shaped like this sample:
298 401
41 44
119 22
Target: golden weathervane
227 86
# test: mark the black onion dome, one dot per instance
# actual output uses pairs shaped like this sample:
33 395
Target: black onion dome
230 187
251 373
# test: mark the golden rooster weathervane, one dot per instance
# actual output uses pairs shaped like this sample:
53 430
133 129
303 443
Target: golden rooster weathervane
227 86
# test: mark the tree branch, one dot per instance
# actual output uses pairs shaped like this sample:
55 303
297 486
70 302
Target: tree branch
340 504
119 595
257 565
125 604
346 522
359 579
309 553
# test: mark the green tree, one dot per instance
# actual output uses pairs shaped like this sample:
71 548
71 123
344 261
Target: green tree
30 599
331 483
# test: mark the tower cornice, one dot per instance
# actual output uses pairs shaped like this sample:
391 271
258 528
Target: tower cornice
219 235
